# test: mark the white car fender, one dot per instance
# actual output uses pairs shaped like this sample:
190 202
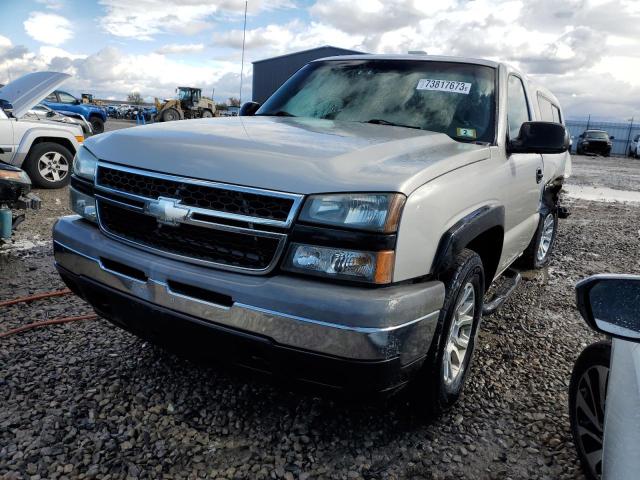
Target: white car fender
30 132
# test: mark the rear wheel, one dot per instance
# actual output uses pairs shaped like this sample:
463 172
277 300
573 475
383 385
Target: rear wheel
97 125
170 115
49 165
207 114
587 398
538 253
440 382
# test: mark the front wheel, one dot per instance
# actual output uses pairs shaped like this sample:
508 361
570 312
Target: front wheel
170 115
49 165
97 125
538 253
587 398
207 114
440 382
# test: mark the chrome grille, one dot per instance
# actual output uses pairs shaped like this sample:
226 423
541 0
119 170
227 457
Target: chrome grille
226 226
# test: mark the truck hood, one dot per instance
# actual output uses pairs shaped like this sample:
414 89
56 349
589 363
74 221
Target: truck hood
289 154
30 89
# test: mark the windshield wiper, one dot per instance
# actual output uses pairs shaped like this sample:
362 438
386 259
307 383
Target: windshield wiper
379 121
279 113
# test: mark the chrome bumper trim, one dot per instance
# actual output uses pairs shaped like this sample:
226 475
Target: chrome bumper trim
409 340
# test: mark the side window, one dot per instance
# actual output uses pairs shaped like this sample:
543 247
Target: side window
52 97
517 108
556 114
66 98
546 114
636 138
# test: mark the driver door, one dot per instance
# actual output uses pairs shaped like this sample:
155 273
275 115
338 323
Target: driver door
525 173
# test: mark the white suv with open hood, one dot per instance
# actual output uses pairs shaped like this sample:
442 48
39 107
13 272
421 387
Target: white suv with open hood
44 149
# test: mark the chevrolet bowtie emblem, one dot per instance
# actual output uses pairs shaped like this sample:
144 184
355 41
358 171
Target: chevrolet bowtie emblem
167 211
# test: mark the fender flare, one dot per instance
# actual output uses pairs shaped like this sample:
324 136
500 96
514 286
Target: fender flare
469 227
32 134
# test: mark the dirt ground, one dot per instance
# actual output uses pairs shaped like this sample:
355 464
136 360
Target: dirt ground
87 400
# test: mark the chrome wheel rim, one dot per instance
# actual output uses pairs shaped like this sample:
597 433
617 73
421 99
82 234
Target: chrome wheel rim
53 166
459 334
589 414
546 237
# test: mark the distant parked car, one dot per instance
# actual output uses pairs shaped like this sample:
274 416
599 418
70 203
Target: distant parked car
594 141
604 393
634 147
64 102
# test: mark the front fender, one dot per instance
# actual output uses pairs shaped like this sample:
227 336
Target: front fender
31 134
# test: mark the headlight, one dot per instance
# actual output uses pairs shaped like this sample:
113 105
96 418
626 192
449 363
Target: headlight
83 204
379 212
85 164
372 267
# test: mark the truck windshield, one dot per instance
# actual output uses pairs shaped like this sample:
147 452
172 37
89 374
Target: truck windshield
597 135
453 98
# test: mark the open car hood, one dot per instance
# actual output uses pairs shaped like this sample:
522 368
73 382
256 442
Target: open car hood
30 89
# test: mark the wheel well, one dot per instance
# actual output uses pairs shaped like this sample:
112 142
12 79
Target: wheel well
95 115
60 141
488 245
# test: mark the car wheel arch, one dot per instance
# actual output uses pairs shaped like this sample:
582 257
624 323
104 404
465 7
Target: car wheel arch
481 231
59 140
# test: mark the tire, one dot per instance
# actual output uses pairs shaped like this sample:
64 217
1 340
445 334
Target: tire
207 114
586 426
97 125
170 115
537 255
49 165
439 383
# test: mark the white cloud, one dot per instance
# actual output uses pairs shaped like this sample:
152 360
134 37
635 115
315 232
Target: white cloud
51 4
48 28
180 48
143 19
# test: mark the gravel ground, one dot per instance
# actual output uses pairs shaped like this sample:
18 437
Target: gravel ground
87 400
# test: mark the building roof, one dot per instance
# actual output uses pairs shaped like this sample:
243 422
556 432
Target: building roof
308 50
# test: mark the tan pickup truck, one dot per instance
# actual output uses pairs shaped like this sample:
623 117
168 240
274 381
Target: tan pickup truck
343 234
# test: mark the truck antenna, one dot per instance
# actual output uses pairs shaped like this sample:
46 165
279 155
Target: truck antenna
244 34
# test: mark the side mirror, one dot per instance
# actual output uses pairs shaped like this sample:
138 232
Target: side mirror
581 135
611 304
51 113
540 137
249 109
612 137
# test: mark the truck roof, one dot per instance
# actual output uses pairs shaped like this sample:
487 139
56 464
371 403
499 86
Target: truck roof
415 58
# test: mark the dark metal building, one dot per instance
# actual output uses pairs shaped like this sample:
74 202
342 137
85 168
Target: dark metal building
270 73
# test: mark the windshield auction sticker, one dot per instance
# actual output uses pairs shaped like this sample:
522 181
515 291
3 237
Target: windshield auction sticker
444 86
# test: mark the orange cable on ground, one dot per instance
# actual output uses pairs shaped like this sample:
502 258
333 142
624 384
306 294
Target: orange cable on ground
44 323
39 296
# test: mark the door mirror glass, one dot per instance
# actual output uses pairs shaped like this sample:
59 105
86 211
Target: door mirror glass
541 137
249 108
611 304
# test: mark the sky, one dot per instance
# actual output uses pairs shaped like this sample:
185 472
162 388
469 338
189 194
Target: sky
587 52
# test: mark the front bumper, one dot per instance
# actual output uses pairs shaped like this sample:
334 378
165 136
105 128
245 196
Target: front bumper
384 330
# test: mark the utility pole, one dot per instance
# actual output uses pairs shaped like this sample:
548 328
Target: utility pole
626 147
244 34
588 122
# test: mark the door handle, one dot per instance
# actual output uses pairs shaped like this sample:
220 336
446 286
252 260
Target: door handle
539 175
